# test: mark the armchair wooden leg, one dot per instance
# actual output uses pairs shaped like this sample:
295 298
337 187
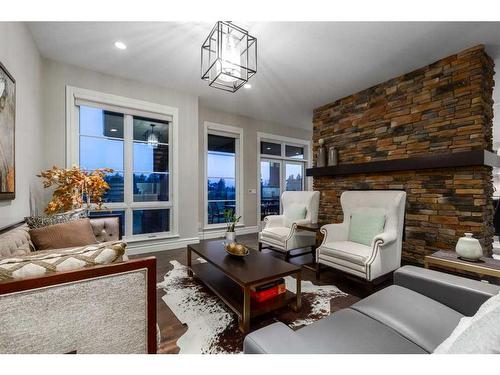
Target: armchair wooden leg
260 246
318 270
287 256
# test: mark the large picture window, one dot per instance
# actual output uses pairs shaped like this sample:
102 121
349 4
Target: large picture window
137 145
222 173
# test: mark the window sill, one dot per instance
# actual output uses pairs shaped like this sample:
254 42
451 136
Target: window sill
220 226
142 238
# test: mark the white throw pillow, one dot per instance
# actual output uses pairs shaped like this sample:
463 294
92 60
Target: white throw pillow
477 334
294 212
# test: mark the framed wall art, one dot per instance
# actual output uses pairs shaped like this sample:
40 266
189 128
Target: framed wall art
7 135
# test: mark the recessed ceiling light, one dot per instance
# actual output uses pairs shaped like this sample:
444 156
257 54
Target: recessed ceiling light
120 45
247 86
113 130
268 148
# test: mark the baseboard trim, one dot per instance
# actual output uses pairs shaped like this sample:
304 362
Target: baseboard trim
159 245
220 233
152 246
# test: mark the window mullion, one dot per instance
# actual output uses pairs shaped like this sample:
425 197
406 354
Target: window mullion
128 135
237 175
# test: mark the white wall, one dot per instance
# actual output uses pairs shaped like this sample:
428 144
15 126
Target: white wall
496 126
40 129
58 75
20 56
250 128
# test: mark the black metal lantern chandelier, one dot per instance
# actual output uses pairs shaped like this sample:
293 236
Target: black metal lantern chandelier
228 57
152 137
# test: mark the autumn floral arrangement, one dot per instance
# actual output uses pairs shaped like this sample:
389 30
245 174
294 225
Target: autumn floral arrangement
74 189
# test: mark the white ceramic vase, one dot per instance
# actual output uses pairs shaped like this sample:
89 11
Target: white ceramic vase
469 247
231 236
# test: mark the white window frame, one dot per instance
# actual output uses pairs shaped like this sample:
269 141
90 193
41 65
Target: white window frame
237 134
130 107
273 138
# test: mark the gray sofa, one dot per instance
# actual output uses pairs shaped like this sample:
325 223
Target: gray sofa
413 316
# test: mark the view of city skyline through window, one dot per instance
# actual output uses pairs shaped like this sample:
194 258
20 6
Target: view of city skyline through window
278 174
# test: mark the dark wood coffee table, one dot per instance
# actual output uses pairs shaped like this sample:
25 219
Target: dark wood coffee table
231 278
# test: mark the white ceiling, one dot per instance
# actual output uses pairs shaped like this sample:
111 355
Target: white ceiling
302 65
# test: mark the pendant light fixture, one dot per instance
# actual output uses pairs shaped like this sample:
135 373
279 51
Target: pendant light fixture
228 57
152 137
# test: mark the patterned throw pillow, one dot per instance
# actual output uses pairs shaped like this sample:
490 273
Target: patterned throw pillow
35 222
49 261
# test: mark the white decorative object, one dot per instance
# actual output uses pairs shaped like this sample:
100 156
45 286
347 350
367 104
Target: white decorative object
469 247
231 236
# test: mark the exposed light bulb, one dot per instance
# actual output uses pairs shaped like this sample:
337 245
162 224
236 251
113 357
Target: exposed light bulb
230 59
120 45
247 86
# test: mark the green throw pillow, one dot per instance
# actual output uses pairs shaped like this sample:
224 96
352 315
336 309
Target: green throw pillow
293 213
365 226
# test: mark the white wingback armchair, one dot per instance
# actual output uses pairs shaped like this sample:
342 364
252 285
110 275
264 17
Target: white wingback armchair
384 254
281 233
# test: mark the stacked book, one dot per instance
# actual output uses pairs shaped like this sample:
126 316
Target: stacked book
268 291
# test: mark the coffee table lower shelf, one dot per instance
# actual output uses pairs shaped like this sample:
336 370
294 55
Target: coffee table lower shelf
232 294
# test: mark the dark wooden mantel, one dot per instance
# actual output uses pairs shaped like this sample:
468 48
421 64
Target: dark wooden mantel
448 160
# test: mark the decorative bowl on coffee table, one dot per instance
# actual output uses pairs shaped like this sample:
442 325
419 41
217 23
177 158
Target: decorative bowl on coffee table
236 249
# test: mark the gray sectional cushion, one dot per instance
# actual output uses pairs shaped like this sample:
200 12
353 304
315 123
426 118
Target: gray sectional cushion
271 339
346 331
420 319
460 294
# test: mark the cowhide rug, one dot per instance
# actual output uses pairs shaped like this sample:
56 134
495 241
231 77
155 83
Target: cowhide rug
213 327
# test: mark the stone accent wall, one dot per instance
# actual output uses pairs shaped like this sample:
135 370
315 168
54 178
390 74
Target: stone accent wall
441 108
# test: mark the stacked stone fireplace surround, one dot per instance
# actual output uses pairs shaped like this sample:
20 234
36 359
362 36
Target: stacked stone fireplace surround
444 107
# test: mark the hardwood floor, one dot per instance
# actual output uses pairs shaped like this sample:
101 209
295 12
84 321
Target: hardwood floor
172 329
